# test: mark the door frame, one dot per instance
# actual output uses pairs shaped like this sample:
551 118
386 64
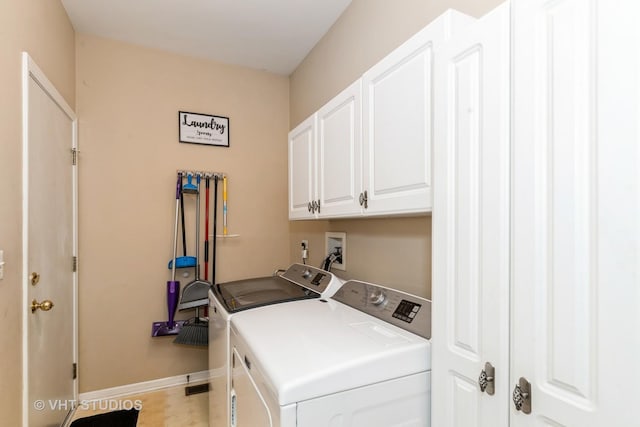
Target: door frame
30 70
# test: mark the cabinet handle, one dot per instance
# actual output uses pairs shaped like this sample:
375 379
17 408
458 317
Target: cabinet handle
486 379
318 206
522 396
364 199
310 207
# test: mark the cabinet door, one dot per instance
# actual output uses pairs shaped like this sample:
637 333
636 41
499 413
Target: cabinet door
471 225
339 154
397 126
302 181
576 211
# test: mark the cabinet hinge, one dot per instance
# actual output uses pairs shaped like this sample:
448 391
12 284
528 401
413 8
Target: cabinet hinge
75 371
75 264
74 156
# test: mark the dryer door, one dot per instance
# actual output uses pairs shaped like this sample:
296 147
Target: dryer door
248 408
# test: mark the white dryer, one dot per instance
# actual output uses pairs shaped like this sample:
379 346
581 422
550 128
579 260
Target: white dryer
298 282
361 358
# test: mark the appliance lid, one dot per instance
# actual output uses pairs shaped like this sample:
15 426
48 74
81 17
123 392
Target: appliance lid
256 292
312 348
296 282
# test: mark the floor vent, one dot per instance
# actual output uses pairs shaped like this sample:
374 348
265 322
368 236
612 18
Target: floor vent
195 389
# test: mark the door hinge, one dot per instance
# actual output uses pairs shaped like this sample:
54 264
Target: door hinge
74 156
75 264
75 370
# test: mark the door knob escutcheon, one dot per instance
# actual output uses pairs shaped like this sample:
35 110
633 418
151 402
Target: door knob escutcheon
35 278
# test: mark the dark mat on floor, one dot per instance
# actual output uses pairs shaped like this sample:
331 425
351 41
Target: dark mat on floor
124 418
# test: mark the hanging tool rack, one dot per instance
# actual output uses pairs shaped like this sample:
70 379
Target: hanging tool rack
202 174
223 178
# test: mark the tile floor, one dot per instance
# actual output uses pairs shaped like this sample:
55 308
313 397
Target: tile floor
161 408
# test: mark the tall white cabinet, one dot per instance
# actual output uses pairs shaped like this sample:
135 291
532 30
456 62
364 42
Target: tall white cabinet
470 287
576 211
536 242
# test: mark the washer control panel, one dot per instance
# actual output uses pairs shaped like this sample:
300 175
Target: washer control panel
401 309
308 276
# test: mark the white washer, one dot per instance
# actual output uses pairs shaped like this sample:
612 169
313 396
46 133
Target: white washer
361 358
298 282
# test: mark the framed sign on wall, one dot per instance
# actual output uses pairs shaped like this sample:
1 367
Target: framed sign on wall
195 128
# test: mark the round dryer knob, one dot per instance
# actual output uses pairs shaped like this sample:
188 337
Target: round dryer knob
377 297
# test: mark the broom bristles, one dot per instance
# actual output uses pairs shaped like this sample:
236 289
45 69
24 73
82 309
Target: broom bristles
193 334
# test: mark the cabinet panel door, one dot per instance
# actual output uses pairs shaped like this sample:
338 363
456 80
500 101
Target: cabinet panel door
397 126
302 183
339 154
576 211
471 225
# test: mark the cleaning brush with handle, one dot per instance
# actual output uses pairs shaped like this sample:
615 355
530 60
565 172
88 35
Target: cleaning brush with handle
171 327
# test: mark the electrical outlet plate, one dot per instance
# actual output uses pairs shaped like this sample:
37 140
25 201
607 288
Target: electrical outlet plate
333 240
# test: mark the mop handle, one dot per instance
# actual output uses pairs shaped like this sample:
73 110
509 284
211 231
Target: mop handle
175 228
224 205
198 227
206 229
215 221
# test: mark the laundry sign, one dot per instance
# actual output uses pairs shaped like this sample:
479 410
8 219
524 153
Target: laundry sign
203 129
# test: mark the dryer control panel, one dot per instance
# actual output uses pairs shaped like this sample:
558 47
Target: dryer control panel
401 309
310 277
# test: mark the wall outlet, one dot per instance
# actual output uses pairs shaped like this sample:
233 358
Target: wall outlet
304 250
1 265
336 241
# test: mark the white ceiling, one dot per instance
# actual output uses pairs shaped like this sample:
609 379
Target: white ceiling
271 35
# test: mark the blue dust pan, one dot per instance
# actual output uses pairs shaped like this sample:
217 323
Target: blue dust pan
183 262
190 187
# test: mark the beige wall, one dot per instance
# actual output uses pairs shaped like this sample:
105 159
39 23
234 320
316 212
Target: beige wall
42 29
396 252
128 100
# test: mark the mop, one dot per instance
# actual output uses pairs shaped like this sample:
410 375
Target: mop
171 327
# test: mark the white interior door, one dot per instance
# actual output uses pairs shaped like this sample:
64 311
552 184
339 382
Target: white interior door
576 216
471 225
50 242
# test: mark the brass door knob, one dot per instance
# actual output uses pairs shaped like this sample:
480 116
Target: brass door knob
45 305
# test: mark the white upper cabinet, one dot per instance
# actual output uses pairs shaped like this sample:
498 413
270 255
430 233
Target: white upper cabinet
339 174
302 166
372 149
324 160
397 101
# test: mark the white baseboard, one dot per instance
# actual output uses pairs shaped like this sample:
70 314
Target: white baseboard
146 386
